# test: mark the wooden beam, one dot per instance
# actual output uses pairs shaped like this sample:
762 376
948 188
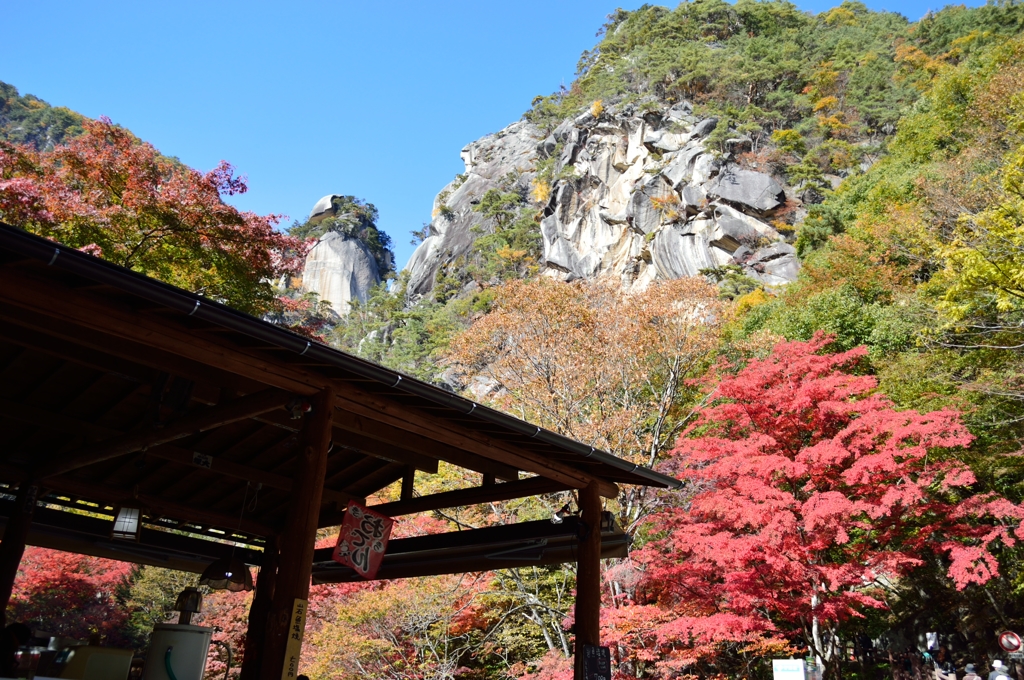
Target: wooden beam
92 311
105 351
410 420
370 428
25 336
365 445
98 313
298 540
458 498
191 423
238 471
26 413
158 505
408 484
259 613
588 579
212 464
389 452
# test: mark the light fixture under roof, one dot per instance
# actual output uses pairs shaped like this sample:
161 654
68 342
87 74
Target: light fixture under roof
127 523
231 573
561 514
227 573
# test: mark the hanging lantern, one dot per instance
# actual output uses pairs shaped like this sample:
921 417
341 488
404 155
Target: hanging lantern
127 523
230 573
227 573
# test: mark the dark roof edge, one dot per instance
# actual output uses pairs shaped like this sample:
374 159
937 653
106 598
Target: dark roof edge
64 257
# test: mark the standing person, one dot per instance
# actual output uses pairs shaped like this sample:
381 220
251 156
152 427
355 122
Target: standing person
944 668
917 666
970 672
897 666
12 637
998 669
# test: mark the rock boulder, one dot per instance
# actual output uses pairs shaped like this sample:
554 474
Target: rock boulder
340 269
747 188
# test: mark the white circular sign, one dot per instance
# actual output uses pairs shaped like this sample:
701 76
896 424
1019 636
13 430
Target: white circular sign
1010 642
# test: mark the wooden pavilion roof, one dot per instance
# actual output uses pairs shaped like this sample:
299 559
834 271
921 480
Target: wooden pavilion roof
115 386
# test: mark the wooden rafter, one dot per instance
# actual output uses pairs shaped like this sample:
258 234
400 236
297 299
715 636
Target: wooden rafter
215 465
369 428
354 404
366 445
159 505
460 497
91 312
201 421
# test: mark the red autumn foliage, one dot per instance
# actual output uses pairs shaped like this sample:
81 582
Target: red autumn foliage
228 614
809 490
109 194
70 595
552 666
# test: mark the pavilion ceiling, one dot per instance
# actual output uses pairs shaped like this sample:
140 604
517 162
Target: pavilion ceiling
116 388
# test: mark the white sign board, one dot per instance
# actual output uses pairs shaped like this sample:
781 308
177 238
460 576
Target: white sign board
787 669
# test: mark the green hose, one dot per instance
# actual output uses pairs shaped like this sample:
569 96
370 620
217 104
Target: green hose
167 664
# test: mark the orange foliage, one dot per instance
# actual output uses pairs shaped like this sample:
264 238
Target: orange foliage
593 363
869 268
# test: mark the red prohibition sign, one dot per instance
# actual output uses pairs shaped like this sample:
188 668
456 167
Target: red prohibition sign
1010 642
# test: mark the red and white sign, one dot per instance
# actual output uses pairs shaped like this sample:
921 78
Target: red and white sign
362 540
1010 642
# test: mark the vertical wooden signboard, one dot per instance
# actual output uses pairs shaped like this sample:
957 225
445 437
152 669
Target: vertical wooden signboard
597 663
293 649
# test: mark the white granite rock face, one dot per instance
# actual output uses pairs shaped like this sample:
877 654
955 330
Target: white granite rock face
490 162
340 269
640 197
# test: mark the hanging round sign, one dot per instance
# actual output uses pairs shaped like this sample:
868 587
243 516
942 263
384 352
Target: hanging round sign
1010 642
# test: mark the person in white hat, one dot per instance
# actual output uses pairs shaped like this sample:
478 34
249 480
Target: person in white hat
998 669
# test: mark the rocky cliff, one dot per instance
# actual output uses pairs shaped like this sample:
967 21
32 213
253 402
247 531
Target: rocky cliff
635 194
340 268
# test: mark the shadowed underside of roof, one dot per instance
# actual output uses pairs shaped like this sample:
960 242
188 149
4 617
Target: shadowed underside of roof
115 388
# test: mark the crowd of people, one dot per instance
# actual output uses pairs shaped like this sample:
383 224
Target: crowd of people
913 665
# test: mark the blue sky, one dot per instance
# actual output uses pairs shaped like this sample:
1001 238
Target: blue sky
373 99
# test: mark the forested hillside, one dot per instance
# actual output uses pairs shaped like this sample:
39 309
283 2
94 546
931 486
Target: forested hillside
850 440
29 120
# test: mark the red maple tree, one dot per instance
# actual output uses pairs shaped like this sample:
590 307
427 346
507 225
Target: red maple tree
113 196
809 493
70 595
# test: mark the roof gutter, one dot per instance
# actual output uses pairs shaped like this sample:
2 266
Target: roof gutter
190 304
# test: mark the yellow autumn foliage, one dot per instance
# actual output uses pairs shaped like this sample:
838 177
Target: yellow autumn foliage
540 190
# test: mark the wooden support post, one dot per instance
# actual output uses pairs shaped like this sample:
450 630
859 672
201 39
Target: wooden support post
287 621
408 483
588 577
259 611
12 548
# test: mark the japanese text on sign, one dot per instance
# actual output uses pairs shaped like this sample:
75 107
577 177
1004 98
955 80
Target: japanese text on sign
293 648
363 540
